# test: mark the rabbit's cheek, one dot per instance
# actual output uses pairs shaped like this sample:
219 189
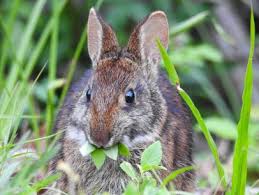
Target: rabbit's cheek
80 111
75 134
139 139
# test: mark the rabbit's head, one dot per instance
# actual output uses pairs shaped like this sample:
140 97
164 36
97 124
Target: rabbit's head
121 102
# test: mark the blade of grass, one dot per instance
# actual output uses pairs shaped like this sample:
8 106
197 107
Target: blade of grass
21 116
9 28
175 81
52 67
239 176
27 90
25 40
72 65
229 88
206 133
8 42
34 121
173 76
212 93
40 45
174 174
98 4
189 23
58 134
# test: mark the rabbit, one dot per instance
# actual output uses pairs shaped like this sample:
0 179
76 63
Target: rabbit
125 98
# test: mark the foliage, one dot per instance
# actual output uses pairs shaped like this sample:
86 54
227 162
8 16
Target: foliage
98 155
175 81
239 176
145 182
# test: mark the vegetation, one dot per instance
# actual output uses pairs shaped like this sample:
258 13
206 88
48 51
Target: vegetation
43 47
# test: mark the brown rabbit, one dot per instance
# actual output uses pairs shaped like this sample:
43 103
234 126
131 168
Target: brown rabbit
124 98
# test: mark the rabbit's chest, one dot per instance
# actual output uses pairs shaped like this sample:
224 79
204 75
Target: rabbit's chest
109 178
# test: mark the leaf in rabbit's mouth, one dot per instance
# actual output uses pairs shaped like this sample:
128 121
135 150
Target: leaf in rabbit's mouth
98 155
87 149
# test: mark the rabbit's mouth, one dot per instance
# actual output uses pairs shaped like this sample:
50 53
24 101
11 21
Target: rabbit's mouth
111 142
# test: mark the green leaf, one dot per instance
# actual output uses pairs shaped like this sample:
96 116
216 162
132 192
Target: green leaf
123 150
221 127
98 158
131 189
112 152
175 173
129 170
239 176
152 155
150 190
86 149
168 65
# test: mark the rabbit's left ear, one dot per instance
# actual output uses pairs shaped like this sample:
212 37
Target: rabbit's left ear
143 40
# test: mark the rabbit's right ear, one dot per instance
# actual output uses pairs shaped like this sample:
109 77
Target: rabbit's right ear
101 38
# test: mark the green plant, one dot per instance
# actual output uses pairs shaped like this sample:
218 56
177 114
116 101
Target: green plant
241 145
239 176
175 81
146 179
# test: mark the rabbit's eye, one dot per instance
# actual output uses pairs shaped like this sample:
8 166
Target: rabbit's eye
88 95
129 96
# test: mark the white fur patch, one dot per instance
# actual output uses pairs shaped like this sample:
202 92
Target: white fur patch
140 139
79 112
75 134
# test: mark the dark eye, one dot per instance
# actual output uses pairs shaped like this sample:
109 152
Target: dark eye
129 96
88 95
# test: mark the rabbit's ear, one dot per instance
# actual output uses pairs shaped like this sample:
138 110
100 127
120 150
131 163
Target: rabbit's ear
142 42
101 38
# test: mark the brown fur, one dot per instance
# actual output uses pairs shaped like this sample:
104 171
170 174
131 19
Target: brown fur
156 114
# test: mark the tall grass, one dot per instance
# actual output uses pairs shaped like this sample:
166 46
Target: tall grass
52 68
239 176
20 164
176 82
241 145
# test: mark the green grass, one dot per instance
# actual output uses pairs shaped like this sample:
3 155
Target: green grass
25 40
239 176
52 70
175 81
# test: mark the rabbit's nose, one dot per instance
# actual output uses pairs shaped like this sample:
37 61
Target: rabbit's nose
100 138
